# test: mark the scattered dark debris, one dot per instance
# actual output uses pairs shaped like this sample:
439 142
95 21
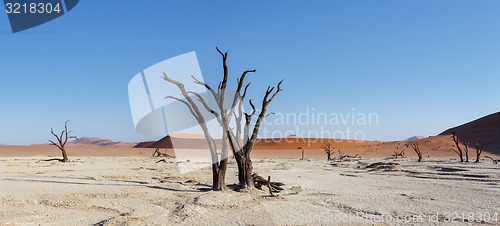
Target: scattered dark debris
260 181
382 165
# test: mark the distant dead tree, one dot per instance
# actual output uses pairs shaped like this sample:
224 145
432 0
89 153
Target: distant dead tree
495 161
459 151
466 151
342 156
61 142
400 154
328 148
417 150
302 150
479 149
158 153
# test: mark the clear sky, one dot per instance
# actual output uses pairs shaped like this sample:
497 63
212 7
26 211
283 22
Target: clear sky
423 66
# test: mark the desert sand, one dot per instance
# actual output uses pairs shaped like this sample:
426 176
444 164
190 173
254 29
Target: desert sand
137 191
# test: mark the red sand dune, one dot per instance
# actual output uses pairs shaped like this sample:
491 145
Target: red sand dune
437 146
486 128
145 144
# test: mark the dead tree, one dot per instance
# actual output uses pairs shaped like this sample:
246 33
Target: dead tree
342 156
495 161
401 154
219 166
328 149
479 150
242 140
459 151
61 142
240 144
243 147
302 150
157 153
466 151
417 151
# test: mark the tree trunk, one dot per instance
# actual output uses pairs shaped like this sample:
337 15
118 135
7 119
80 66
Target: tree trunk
459 150
245 170
218 177
219 170
65 156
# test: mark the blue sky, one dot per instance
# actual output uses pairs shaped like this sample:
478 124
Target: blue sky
422 66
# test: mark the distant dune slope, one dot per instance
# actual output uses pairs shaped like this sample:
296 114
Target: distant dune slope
145 144
437 146
287 143
415 138
486 128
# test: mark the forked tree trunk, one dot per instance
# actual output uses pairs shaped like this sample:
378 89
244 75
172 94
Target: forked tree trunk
416 149
479 150
328 149
242 151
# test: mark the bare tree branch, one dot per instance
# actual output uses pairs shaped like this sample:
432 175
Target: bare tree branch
222 86
61 141
185 103
268 114
328 149
214 94
196 113
479 150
